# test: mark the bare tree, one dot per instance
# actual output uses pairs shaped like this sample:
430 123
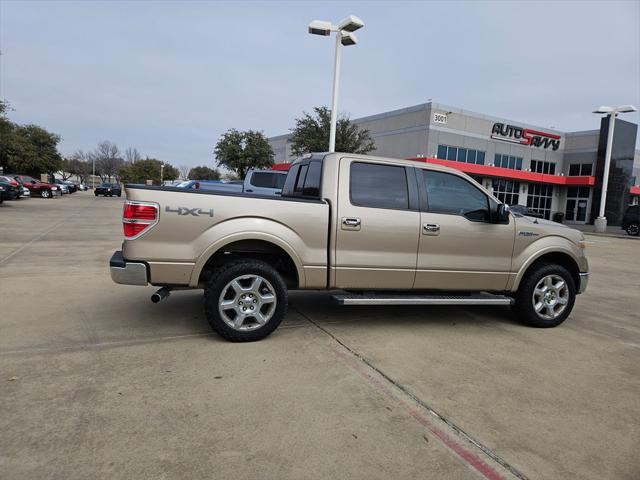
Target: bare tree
184 171
108 160
132 155
80 165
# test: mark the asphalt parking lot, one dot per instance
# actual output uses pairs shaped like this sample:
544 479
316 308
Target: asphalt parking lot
98 382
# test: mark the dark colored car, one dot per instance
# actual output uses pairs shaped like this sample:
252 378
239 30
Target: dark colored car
12 190
108 189
631 220
73 187
36 187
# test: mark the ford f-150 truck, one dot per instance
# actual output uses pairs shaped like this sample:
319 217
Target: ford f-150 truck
376 230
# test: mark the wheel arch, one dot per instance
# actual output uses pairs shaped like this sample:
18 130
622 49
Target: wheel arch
554 257
257 245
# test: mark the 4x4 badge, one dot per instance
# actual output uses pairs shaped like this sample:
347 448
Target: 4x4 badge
524 233
196 212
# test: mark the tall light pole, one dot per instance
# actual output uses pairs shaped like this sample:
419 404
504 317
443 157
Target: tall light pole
344 36
161 173
611 112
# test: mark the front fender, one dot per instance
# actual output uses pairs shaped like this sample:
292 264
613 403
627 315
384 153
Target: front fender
541 247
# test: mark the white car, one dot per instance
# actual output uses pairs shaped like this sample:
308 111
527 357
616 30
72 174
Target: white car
26 192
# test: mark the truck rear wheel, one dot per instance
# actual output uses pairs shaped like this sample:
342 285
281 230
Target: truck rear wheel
245 300
546 296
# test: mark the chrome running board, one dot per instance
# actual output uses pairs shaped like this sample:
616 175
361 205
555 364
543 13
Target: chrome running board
382 298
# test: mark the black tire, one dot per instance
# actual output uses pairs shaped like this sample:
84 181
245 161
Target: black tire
226 274
633 229
119 194
45 193
96 194
524 306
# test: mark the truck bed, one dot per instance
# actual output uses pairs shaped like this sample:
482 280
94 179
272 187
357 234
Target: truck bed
194 224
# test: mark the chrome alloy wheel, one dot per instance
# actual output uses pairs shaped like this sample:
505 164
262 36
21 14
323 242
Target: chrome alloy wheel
550 297
247 303
45 193
633 229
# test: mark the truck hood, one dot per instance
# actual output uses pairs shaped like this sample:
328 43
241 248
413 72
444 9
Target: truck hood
539 227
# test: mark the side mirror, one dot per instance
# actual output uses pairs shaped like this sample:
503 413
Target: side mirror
501 214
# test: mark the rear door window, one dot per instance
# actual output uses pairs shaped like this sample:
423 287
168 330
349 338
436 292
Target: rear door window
378 186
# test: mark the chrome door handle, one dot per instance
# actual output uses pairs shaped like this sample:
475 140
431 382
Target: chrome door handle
351 222
430 228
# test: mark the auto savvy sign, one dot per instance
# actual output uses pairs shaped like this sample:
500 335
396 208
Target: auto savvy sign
525 136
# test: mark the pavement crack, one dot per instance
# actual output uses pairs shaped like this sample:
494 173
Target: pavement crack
402 388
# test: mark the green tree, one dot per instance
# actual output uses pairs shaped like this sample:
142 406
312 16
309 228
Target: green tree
33 150
203 173
240 151
6 134
311 134
147 169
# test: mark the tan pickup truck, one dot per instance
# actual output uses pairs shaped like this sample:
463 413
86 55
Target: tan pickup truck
376 230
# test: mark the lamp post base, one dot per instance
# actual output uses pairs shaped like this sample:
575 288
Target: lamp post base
601 224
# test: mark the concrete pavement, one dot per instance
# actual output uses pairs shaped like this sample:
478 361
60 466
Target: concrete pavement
98 382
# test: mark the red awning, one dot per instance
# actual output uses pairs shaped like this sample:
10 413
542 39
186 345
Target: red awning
511 174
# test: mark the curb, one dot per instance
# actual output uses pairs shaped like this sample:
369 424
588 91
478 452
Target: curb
612 235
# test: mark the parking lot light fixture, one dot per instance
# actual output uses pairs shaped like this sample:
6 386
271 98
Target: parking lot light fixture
344 36
611 112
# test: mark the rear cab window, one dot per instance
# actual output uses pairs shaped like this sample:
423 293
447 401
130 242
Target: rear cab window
304 180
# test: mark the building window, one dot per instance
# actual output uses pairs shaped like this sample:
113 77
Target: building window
459 154
539 199
580 170
540 166
508 161
506 191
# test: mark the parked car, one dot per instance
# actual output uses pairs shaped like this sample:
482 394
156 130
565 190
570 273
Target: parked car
82 187
386 231
73 188
12 189
1 194
25 192
108 189
64 188
631 220
259 182
38 188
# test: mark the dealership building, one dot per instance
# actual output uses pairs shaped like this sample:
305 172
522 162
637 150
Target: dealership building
552 172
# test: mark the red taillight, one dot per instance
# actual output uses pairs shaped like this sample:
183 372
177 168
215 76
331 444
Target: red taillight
133 229
139 211
14 183
136 217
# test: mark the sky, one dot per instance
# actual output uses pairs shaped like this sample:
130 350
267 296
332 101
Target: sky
168 78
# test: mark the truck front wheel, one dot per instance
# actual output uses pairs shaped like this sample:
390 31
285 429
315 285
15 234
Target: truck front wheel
546 296
245 300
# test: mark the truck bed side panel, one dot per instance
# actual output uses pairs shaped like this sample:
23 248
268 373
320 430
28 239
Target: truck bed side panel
193 225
